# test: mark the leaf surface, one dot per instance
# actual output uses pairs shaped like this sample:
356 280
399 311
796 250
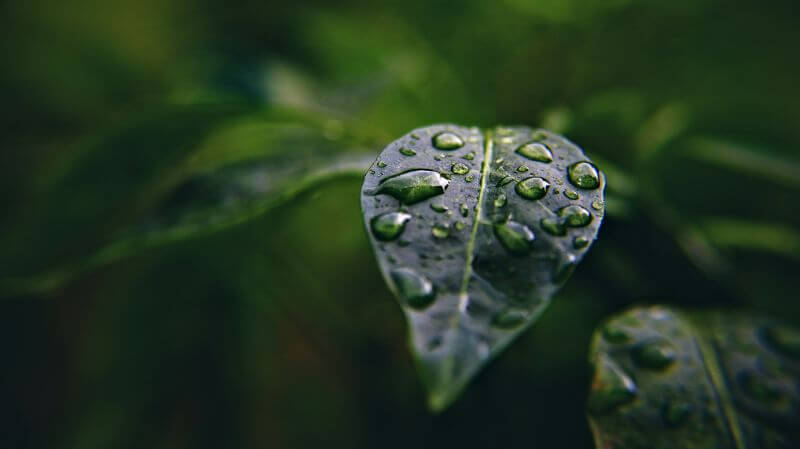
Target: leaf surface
474 232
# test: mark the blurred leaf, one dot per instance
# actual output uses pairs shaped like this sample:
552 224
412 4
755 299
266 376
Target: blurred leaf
749 235
474 234
667 379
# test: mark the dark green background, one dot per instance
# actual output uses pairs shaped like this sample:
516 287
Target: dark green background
280 332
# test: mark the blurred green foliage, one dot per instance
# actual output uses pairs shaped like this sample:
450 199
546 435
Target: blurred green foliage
278 331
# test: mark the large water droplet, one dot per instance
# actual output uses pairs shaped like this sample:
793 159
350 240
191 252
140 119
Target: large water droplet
584 175
656 355
413 186
536 151
575 216
407 151
532 188
390 225
611 387
415 289
459 168
515 237
553 226
441 230
510 318
447 140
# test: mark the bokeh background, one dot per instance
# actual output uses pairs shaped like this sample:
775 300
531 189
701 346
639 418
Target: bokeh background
277 331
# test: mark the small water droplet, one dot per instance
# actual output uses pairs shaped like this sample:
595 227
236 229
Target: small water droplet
522 168
615 334
389 226
536 151
532 188
505 181
506 140
676 412
407 151
413 186
565 269
611 388
575 216
470 156
510 318
571 194
438 207
415 289
553 226
656 355
381 164
414 136
441 230
580 242
515 237
470 177
597 205
460 225
584 175
501 200
447 140
464 210
459 168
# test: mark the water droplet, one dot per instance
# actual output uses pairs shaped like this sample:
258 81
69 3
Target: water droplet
553 226
584 175
414 136
615 334
505 181
532 188
510 318
754 385
784 339
515 237
407 151
470 156
580 242
460 225
459 168
441 230
389 226
538 135
597 205
470 177
611 388
676 412
571 194
438 207
565 269
504 131
447 140
501 200
575 216
381 164
506 140
499 161
416 290
656 355
522 168
464 210
413 186
536 151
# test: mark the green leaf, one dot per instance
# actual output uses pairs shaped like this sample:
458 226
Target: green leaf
474 232
667 379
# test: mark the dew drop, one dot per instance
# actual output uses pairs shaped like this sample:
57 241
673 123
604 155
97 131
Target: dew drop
438 207
381 164
500 201
611 388
532 188
415 289
515 237
470 177
505 181
522 168
447 140
597 205
460 225
656 355
441 230
389 226
575 216
413 186
506 140
407 151
459 168
571 194
565 269
584 175
510 318
612 333
414 136
470 156
553 226
464 210
580 242
536 151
